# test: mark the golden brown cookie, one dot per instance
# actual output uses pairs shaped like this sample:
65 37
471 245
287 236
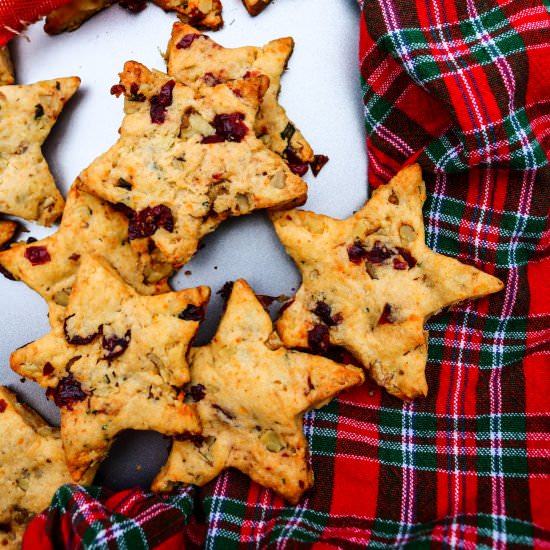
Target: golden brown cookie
251 394
7 231
27 114
201 13
369 283
32 467
254 7
186 161
115 362
6 67
196 60
89 226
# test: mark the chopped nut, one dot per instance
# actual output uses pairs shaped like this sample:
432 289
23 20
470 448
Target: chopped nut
407 233
278 180
272 441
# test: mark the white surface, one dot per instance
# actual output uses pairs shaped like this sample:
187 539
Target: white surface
321 93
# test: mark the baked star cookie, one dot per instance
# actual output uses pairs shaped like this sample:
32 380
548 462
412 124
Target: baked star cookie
32 467
254 7
196 60
7 231
6 67
114 362
251 394
186 161
27 114
369 283
202 13
89 226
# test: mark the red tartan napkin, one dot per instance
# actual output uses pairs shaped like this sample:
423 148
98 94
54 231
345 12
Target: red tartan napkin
463 88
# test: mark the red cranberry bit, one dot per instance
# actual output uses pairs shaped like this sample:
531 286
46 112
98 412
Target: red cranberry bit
192 313
317 164
37 255
118 90
318 338
357 252
324 312
161 101
186 41
115 345
47 369
7 273
210 80
387 315
3 405
197 392
400 265
133 6
76 339
146 222
294 162
74 257
134 93
379 253
67 393
229 127
407 256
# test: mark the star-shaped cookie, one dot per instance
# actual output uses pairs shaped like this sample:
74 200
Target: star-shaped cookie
251 394
186 161
27 114
6 67
369 283
114 362
7 231
89 226
201 13
32 467
196 60
254 7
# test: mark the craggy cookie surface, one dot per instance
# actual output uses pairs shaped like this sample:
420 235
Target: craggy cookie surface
369 283
89 226
196 60
201 13
186 161
32 467
254 7
6 67
27 114
251 394
115 361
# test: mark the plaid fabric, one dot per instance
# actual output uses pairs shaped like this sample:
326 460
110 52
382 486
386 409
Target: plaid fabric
15 15
463 88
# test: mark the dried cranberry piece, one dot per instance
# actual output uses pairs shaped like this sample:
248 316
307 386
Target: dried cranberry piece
379 253
317 164
192 313
76 339
197 392
117 89
37 255
134 93
115 345
407 256
146 222
324 312
186 41
318 338
67 393
47 369
400 265
10 276
210 80
225 290
161 101
357 252
387 315
3 405
229 127
296 165
133 6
